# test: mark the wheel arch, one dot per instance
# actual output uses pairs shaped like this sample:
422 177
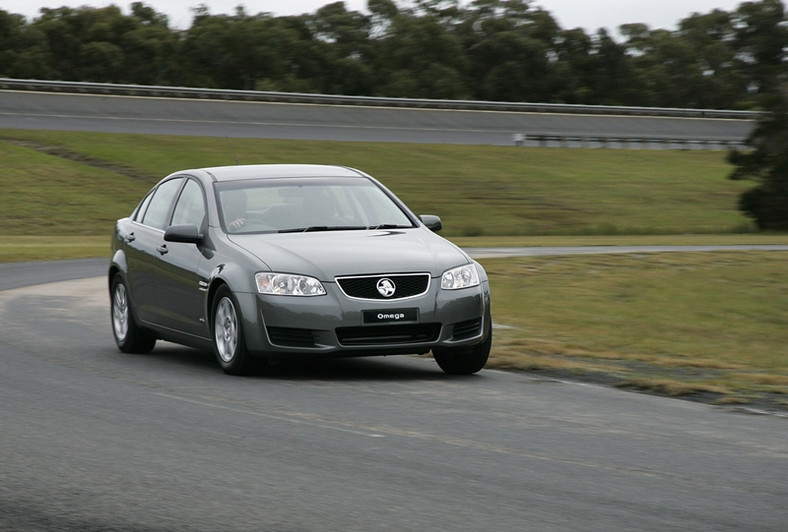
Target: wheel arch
216 283
230 275
117 266
250 319
113 271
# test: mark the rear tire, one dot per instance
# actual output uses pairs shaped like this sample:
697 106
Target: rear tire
128 335
463 360
229 345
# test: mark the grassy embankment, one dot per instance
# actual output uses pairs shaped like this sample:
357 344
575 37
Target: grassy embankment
711 325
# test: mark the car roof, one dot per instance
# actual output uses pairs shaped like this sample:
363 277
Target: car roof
271 171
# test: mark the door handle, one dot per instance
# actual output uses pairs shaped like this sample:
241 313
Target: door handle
162 249
130 237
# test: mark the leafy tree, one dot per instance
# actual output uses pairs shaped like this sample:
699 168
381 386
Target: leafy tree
591 69
150 54
767 165
148 16
382 12
612 79
516 68
761 43
717 81
575 64
20 48
510 50
98 44
761 38
347 30
419 47
345 35
101 61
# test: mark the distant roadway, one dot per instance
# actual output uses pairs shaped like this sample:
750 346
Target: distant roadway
218 118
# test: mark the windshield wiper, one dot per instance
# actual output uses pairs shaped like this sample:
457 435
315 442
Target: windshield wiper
390 226
315 228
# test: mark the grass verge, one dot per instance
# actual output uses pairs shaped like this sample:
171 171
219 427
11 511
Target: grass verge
79 183
712 326
35 248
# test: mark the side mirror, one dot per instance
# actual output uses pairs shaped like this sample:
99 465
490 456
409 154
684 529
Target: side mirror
188 233
432 222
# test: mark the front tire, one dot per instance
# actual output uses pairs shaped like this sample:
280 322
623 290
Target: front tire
228 339
463 360
128 335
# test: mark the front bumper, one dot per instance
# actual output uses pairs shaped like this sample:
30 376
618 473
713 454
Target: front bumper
336 325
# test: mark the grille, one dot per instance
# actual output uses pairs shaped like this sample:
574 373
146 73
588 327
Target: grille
366 287
388 334
290 337
467 329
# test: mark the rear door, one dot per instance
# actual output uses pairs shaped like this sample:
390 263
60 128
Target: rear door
143 256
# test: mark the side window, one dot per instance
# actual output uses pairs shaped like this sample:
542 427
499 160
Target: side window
190 208
143 206
159 206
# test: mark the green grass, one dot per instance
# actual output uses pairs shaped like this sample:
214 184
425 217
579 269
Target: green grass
49 195
678 323
32 248
707 325
477 190
730 239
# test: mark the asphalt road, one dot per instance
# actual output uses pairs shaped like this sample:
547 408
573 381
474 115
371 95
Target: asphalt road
123 114
92 439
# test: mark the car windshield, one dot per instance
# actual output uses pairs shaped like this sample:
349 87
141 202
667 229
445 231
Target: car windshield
307 204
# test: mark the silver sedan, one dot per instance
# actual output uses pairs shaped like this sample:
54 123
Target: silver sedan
272 261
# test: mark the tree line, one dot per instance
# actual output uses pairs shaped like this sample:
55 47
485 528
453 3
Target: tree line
498 50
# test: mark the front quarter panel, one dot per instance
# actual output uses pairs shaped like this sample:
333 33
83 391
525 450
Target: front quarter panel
118 262
234 267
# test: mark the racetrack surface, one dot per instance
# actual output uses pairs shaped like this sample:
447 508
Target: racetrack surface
93 439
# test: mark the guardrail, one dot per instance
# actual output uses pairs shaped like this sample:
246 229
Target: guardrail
573 141
328 99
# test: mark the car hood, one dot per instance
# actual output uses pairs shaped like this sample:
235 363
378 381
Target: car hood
326 255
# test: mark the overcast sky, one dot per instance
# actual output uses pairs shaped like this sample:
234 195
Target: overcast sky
588 14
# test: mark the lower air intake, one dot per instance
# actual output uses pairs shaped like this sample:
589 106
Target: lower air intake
291 337
388 334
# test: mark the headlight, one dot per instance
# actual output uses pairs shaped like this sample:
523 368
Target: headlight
284 284
460 277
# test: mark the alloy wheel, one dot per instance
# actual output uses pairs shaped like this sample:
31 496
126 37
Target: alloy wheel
120 312
226 329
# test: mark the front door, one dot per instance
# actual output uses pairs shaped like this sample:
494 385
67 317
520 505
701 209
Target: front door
181 292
